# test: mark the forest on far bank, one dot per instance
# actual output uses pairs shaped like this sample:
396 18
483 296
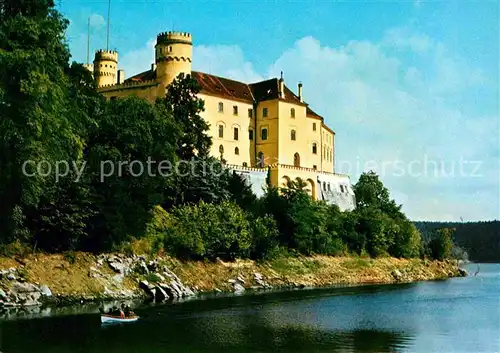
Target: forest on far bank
481 240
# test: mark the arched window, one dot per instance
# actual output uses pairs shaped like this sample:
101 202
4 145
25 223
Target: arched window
221 107
292 112
293 135
221 131
221 149
315 148
236 134
245 164
236 151
263 134
329 187
261 159
296 160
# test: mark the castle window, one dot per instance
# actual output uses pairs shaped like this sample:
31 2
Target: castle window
315 148
292 112
235 110
329 187
263 134
221 131
264 112
170 49
324 186
341 188
181 75
296 160
236 151
250 113
221 150
221 107
261 159
236 134
314 126
315 167
250 135
293 135
245 164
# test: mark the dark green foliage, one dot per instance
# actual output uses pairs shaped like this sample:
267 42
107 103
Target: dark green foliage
208 231
480 240
127 180
38 120
384 229
441 244
182 103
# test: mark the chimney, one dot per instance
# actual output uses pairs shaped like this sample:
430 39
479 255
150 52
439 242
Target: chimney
121 76
282 86
153 67
300 92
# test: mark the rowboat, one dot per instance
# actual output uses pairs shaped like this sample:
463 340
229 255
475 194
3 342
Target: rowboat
110 319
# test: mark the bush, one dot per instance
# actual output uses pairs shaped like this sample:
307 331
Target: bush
208 231
265 243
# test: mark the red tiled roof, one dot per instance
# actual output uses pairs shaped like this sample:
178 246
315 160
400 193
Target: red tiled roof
223 87
143 76
230 89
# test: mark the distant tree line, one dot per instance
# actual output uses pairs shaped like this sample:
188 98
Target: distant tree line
50 112
480 240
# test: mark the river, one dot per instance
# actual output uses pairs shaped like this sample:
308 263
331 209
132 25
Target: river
456 315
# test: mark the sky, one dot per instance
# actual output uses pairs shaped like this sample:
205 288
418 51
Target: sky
410 87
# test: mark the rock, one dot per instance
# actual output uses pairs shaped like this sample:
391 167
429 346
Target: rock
108 292
160 294
238 288
118 278
3 295
18 287
147 288
160 277
142 268
232 281
11 277
462 272
45 290
397 274
240 279
117 267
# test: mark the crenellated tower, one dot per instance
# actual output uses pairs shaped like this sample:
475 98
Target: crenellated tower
174 51
106 67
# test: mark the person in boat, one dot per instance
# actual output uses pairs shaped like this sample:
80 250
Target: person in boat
128 312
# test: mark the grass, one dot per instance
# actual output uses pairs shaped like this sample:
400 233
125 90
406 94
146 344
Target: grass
70 273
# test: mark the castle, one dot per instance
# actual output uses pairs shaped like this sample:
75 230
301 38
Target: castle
254 127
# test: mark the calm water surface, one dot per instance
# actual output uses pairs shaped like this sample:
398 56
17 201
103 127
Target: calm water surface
456 315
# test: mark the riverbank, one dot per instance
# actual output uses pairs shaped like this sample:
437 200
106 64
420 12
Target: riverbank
77 278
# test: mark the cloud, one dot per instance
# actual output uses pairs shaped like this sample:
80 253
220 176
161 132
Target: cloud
403 118
224 60
97 21
139 60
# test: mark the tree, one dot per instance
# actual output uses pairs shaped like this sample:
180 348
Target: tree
441 244
182 103
131 154
38 120
370 192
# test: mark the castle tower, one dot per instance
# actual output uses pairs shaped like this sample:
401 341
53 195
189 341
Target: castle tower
106 67
174 51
